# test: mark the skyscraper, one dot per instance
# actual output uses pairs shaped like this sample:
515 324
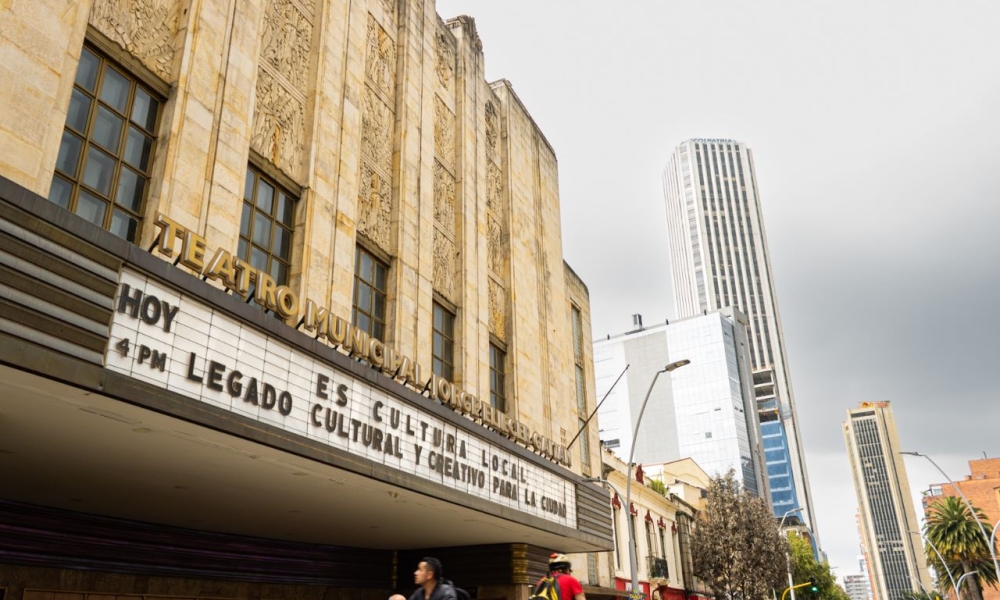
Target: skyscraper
889 524
704 411
719 258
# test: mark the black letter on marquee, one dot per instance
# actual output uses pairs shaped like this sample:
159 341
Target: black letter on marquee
342 395
150 301
251 391
191 374
284 403
128 304
233 383
321 381
159 361
268 397
215 375
378 406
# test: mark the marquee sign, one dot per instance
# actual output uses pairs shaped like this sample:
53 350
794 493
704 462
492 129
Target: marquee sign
178 343
242 278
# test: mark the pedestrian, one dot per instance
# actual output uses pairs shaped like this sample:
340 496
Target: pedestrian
569 586
432 587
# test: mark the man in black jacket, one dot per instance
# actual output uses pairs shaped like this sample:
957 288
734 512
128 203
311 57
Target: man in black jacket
428 577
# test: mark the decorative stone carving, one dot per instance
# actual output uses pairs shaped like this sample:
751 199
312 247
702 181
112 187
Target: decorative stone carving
492 133
444 133
495 251
498 310
286 37
278 122
445 59
144 28
445 260
444 198
494 189
374 206
376 131
380 60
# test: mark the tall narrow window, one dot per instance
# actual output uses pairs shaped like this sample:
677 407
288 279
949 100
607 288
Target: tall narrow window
266 226
617 538
498 399
581 389
444 342
103 165
650 544
370 276
663 545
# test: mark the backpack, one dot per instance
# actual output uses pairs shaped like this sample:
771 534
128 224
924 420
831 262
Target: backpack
548 588
460 594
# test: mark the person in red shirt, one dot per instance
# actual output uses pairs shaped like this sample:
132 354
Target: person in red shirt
561 569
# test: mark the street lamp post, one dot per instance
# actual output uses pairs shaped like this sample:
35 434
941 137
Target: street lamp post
941 558
633 566
788 553
993 555
960 579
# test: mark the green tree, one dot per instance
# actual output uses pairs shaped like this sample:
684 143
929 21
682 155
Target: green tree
953 530
805 567
736 547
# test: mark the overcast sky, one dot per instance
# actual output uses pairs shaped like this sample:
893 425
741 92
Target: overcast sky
875 129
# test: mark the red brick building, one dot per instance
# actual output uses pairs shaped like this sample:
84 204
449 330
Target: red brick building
982 487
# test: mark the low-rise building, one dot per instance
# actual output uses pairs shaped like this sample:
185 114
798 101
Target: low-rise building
660 514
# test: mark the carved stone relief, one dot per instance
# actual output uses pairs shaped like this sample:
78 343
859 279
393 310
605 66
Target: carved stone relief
492 133
374 206
380 60
286 37
495 253
376 130
445 59
498 311
444 198
444 133
278 122
494 189
445 259
144 28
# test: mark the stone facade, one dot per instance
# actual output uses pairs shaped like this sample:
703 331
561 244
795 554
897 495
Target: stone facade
378 117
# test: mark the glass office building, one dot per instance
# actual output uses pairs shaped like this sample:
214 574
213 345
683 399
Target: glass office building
704 411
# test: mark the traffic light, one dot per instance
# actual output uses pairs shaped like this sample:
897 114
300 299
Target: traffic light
812 586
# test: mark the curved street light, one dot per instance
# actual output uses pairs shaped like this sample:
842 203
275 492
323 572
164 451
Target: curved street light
993 555
941 558
633 566
964 575
788 556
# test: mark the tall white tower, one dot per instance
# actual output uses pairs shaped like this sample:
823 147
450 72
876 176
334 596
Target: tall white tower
888 521
719 258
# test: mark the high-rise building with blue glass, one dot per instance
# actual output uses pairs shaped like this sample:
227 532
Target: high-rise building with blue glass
719 258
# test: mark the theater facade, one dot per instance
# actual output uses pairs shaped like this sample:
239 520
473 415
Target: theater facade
283 308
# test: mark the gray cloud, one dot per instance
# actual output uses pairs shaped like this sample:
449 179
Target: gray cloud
876 138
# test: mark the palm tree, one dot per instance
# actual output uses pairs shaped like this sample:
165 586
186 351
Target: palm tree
953 529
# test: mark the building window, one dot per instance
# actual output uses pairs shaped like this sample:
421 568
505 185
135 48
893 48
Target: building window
444 342
663 545
266 226
617 539
370 276
650 544
584 443
498 399
103 166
